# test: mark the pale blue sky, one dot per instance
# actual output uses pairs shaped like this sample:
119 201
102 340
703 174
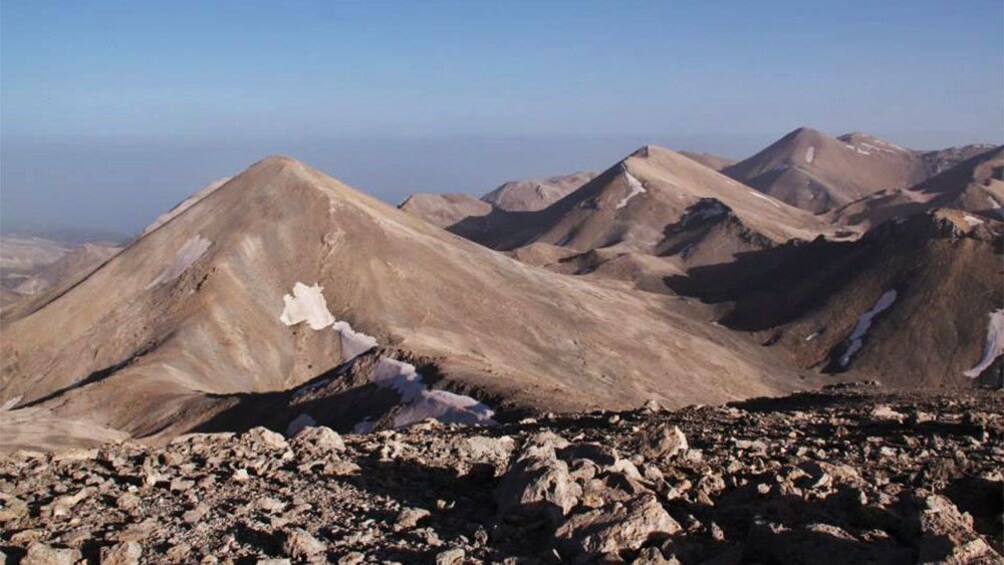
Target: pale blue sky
113 111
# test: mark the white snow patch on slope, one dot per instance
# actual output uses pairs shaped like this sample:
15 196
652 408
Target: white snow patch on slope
10 404
420 402
306 305
298 423
354 343
973 221
994 345
636 189
864 324
189 253
810 154
765 197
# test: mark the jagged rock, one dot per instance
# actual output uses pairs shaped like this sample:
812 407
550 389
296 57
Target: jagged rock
12 508
947 535
320 437
653 556
663 442
126 553
884 412
611 529
300 544
42 554
264 438
409 518
450 557
481 450
538 483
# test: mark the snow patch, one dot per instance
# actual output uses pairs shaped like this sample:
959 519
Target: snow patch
298 423
189 253
973 221
354 343
765 197
856 340
636 189
810 154
306 305
10 404
421 403
994 345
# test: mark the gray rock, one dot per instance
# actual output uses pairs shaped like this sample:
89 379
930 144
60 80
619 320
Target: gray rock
126 553
321 438
538 484
42 554
409 518
300 544
663 442
587 536
264 438
450 557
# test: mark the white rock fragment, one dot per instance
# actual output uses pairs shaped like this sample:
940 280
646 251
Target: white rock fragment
993 347
864 323
188 254
306 305
810 154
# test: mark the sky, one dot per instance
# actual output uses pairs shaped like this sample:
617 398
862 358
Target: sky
111 112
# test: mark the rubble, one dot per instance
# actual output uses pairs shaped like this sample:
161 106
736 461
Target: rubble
852 473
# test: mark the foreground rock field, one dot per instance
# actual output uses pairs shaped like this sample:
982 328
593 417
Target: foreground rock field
852 474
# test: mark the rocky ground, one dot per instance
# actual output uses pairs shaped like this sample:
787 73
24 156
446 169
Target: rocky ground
851 474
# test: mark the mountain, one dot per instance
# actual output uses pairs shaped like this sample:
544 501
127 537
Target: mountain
975 186
816 172
648 203
444 210
185 204
709 160
535 194
80 261
278 277
23 256
908 304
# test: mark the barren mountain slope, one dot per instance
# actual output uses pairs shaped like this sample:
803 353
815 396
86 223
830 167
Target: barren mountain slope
185 204
80 261
655 202
536 194
444 210
709 160
912 303
814 171
23 256
975 186
200 307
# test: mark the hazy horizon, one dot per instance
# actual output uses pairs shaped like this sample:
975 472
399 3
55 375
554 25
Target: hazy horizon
112 113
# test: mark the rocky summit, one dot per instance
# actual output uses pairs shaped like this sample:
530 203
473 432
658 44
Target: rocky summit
853 472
